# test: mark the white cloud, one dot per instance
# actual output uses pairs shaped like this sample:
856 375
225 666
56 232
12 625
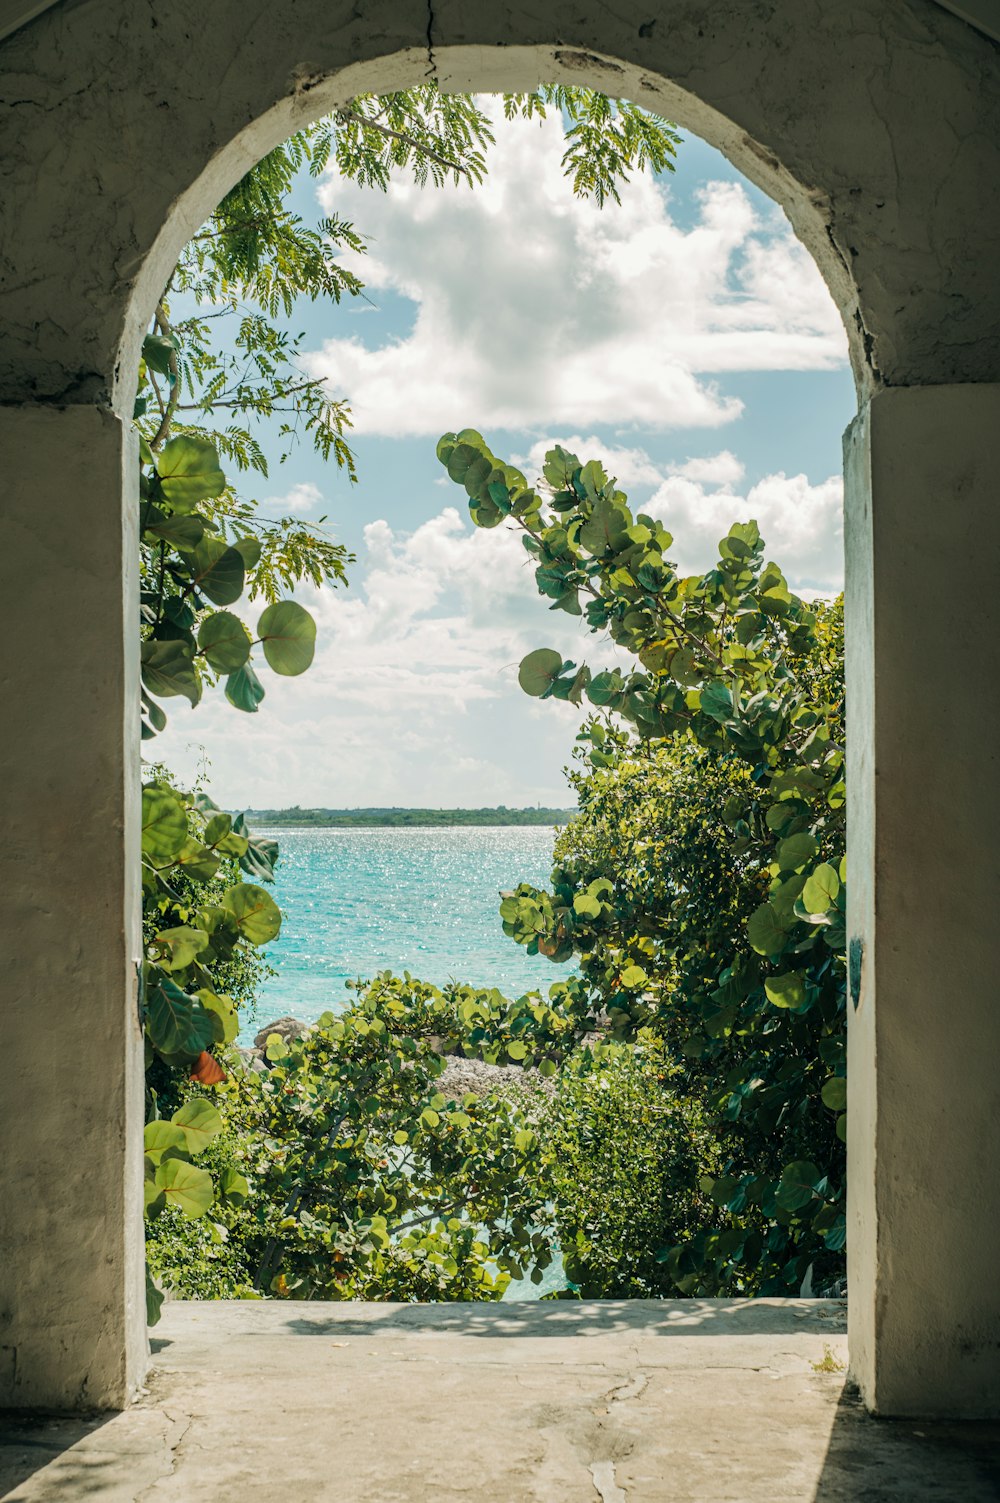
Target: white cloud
413 695
722 469
630 467
302 500
534 308
801 524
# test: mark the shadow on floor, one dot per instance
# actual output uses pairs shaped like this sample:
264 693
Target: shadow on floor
894 1461
562 1318
29 1442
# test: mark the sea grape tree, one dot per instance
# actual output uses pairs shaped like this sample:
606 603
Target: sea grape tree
732 663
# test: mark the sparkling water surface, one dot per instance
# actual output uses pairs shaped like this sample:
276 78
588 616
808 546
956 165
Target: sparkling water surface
424 900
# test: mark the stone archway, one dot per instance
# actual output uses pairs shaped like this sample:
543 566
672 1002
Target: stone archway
876 128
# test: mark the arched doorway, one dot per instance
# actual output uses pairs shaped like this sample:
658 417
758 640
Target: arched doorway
136 123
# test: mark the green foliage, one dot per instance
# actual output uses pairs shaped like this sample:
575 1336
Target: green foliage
481 1022
732 669
368 1183
626 1154
171 1179
188 567
201 929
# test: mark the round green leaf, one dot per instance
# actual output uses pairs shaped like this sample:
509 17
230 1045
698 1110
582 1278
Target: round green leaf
797 1185
538 671
224 1011
186 1186
606 530
716 701
796 850
164 824
765 930
178 947
157 1137
154 1301
158 351
183 533
168 669
257 915
288 636
445 445
217 570
223 639
189 471
199 1121
233 1186
461 457
633 976
835 1093
477 474
821 889
249 550
786 991
176 1023
244 689
196 860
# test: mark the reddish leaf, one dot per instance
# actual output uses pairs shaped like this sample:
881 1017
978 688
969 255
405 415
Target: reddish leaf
207 1069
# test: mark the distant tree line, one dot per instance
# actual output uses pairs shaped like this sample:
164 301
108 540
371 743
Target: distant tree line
365 819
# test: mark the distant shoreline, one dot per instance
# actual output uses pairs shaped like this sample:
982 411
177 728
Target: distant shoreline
419 819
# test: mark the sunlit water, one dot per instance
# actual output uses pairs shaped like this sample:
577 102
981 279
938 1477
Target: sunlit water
360 901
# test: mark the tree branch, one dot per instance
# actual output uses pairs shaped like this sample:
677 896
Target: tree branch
348 116
173 396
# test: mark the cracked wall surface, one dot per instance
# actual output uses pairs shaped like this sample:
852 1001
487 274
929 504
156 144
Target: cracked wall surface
121 124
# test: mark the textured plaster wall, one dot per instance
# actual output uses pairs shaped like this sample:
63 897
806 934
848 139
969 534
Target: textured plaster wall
876 123
924 853
71 1297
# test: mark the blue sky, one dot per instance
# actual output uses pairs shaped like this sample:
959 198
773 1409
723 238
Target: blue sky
685 338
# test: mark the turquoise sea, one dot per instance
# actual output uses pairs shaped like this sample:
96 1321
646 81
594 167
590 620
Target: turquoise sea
360 901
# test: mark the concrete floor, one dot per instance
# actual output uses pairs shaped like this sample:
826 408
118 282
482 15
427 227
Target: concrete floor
716 1401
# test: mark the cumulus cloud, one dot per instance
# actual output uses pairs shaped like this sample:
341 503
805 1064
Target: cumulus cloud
722 469
413 694
535 308
302 500
699 500
801 523
445 615
629 466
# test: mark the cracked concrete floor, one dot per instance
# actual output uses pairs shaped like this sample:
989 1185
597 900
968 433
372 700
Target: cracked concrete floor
717 1401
